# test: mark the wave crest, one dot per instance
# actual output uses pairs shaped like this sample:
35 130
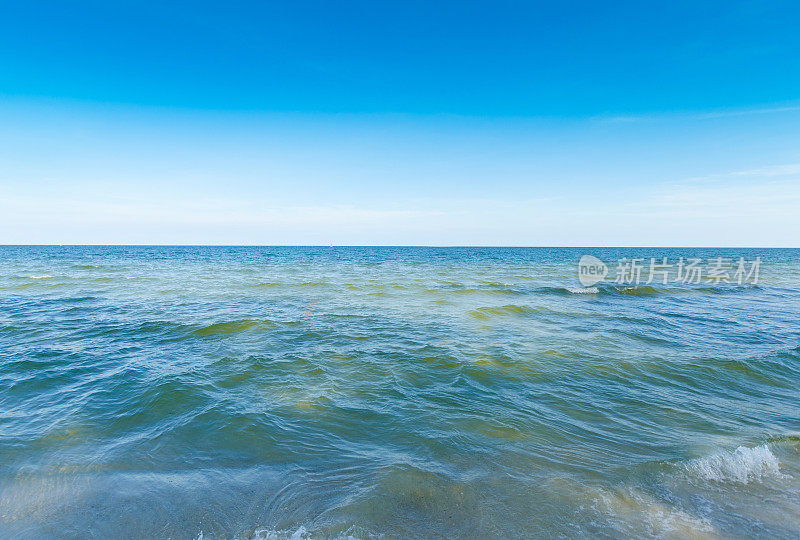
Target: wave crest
742 466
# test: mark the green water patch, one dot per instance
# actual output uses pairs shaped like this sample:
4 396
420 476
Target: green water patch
492 429
232 327
37 283
473 290
467 291
487 313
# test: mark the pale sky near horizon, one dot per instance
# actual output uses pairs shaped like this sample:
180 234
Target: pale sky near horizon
467 124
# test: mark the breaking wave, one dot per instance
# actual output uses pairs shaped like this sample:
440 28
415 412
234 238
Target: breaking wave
743 465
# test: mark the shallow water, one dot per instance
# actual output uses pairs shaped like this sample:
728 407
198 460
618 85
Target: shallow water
392 392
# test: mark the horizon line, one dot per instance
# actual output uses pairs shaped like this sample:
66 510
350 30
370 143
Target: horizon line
476 246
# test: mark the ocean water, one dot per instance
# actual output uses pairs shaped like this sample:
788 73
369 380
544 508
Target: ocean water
286 392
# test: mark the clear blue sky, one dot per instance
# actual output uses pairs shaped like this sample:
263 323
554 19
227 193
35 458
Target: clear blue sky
505 123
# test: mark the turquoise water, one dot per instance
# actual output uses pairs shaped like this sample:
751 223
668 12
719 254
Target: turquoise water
393 392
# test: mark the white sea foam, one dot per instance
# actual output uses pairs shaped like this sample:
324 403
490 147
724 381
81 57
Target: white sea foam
41 277
743 465
584 290
265 534
269 534
300 534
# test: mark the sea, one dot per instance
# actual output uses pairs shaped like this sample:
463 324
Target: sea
398 392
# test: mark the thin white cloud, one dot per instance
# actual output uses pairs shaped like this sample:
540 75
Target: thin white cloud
695 115
772 171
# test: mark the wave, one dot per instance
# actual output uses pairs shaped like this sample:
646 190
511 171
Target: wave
569 291
649 290
495 289
638 290
583 290
791 439
742 466
642 290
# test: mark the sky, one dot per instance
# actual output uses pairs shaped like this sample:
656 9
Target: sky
400 123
